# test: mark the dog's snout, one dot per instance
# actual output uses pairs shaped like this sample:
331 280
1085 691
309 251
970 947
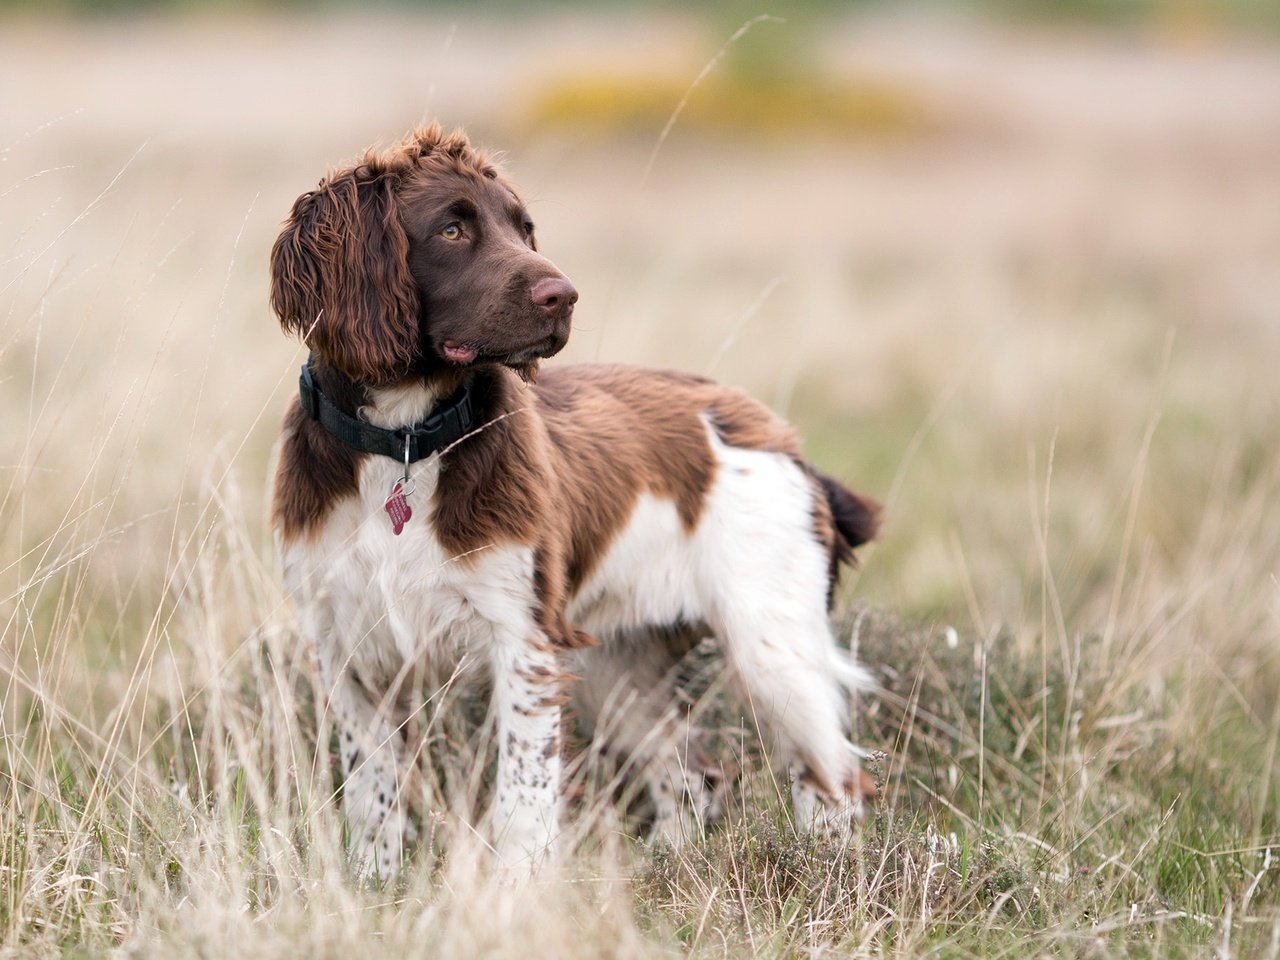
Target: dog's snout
554 295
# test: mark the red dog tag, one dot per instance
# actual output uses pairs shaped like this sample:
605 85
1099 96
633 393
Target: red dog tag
397 507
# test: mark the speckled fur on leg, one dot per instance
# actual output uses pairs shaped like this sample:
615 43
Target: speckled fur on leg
373 801
524 819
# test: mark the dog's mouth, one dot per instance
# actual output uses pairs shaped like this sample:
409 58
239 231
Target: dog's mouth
462 353
456 352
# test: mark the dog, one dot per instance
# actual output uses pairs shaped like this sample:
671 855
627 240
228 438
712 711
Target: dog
438 500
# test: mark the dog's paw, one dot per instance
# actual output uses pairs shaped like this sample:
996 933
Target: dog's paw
817 811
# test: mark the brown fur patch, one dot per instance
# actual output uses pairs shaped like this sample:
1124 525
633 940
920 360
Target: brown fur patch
865 787
741 421
493 484
844 521
340 277
617 433
316 470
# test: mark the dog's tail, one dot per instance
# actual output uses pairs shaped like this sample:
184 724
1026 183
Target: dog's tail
850 674
854 519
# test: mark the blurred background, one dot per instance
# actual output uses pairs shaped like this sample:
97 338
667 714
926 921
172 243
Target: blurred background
1013 266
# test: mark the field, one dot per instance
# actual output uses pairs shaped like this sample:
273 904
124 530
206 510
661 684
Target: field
1019 282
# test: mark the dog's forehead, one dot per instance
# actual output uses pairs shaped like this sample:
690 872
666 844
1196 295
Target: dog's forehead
430 189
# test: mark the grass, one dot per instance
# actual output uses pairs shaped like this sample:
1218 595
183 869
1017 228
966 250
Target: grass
1053 358
1022 805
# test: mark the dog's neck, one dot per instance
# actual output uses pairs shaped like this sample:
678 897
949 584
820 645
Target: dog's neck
406 421
390 406
404 404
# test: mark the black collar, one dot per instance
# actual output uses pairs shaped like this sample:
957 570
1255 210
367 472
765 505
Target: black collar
448 423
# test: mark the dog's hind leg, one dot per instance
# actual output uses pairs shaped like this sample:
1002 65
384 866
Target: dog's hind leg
629 702
794 681
766 577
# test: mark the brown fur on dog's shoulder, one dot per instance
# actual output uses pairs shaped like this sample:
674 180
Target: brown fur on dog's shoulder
316 470
632 432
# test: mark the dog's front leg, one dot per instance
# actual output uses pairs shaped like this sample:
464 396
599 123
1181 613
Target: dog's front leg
525 816
373 801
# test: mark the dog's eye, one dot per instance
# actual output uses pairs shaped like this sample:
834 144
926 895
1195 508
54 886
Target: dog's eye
528 228
452 232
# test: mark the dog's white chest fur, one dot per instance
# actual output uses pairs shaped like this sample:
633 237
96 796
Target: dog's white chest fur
387 600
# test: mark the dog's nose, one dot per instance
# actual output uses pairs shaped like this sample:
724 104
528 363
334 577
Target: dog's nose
555 295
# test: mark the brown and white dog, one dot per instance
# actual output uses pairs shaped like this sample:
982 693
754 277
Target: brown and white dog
583 524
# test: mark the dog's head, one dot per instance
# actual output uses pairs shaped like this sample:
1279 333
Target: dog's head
418 259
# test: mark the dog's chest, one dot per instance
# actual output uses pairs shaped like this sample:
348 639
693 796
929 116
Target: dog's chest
382 600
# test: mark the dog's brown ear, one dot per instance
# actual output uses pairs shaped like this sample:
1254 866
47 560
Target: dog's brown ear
340 278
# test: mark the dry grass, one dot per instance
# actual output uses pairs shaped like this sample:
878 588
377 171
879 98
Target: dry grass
1046 332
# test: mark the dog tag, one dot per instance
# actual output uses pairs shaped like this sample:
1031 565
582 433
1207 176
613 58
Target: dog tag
397 507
